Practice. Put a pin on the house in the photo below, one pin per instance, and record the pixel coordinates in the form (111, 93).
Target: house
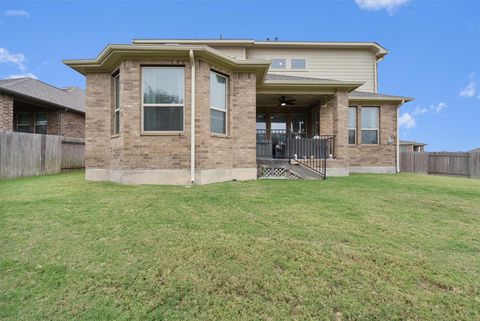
(411, 146)
(32, 106)
(202, 111)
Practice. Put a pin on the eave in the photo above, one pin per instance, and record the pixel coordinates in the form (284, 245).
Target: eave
(112, 55)
(306, 87)
(379, 51)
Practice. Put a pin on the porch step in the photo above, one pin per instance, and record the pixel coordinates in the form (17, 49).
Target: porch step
(303, 171)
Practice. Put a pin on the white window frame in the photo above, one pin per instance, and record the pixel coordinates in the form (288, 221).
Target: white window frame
(356, 125)
(35, 120)
(23, 125)
(276, 68)
(167, 132)
(220, 109)
(116, 104)
(298, 69)
(370, 129)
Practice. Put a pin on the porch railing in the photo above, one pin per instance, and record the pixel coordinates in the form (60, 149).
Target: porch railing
(311, 152)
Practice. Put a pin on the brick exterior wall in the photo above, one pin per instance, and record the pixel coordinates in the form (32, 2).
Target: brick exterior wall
(73, 124)
(381, 154)
(132, 149)
(97, 126)
(340, 128)
(6, 112)
(59, 122)
(333, 121)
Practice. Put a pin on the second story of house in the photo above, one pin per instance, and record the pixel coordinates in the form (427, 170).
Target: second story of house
(344, 61)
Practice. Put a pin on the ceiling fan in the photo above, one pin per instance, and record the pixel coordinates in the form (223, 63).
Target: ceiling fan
(284, 101)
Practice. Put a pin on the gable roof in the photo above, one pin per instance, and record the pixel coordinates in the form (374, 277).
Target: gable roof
(29, 88)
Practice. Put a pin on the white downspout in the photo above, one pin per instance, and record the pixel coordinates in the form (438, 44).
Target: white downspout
(192, 122)
(397, 151)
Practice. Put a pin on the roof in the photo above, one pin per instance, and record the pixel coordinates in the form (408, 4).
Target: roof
(29, 88)
(379, 50)
(287, 84)
(275, 77)
(358, 95)
(410, 142)
(475, 150)
(113, 54)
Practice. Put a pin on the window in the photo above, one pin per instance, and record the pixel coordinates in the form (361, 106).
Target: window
(23, 122)
(370, 125)
(116, 103)
(279, 64)
(298, 64)
(163, 98)
(41, 123)
(218, 103)
(352, 125)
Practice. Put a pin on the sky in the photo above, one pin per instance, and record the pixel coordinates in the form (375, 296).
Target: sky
(434, 45)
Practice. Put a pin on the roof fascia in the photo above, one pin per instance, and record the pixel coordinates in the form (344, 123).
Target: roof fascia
(113, 54)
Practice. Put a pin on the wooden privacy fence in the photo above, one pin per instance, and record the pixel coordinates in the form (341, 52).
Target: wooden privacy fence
(25, 154)
(441, 163)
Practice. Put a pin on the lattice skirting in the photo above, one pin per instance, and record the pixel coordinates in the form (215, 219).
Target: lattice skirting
(276, 172)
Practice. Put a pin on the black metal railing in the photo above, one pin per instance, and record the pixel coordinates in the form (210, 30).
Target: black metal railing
(311, 152)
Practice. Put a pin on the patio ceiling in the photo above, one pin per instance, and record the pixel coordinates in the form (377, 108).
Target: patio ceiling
(302, 100)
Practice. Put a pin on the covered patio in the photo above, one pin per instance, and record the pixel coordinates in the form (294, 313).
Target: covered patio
(295, 120)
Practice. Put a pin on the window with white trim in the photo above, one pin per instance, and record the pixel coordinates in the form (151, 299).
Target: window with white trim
(370, 124)
(279, 64)
(163, 98)
(352, 125)
(23, 122)
(41, 123)
(116, 103)
(218, 103)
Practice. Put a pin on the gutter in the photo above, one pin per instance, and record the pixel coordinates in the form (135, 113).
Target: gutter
(192, 122)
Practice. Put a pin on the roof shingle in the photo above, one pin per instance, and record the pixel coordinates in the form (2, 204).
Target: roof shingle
(71, 97)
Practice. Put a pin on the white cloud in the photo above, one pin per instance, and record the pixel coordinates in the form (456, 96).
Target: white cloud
(29, 74)
(471, 88)
(406, 120)
(374, 5)
(17, 13)
(17, 59)
(438, 107)
(420, 110)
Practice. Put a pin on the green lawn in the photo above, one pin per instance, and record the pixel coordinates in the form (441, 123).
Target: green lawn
(365, 247)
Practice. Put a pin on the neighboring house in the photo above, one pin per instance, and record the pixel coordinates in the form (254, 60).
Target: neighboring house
(411, 146)
(180, 111)
(32, 106)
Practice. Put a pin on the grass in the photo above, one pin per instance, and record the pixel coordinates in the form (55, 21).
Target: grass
(365, 247)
